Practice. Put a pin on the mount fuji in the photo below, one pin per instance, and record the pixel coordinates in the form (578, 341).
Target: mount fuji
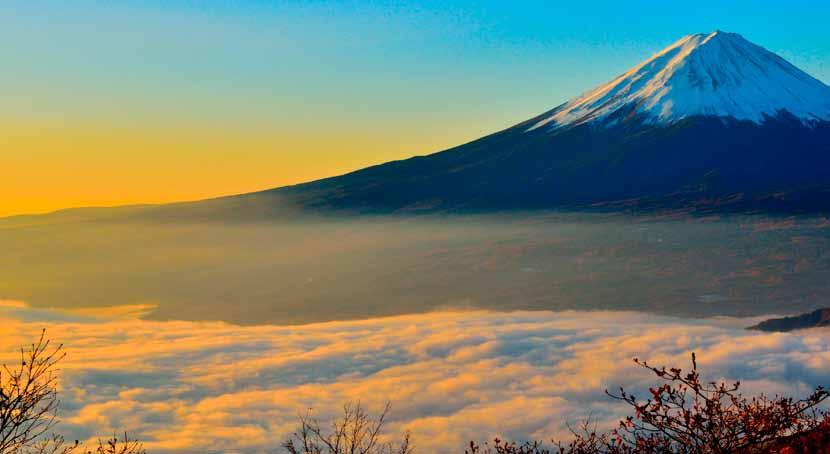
(712, 123)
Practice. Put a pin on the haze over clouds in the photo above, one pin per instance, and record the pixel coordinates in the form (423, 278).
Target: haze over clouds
(313, 271)
(453, 376)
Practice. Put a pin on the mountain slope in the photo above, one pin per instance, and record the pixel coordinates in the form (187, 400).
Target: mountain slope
(697, 163)
(712, 122)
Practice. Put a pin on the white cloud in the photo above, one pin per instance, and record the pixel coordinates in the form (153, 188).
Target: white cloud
(453, 376)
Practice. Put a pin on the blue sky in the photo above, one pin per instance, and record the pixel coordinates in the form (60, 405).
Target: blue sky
(376, 57)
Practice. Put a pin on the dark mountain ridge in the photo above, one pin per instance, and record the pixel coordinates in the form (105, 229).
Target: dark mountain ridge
(698, 164)
(816, 319)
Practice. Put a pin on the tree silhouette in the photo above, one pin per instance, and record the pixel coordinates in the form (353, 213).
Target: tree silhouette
(355, 432)
(684, 414)
(29, 407)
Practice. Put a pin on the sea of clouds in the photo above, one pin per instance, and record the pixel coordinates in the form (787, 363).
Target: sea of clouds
(214, 387)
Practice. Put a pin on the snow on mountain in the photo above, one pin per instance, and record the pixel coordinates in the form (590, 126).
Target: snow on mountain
(719, 74)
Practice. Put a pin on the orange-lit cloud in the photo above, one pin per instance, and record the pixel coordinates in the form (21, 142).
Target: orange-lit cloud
(216, 387)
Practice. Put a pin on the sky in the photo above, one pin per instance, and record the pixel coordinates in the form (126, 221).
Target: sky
(122, 102)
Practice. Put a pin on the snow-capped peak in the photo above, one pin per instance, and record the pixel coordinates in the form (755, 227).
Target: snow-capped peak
(717, 74)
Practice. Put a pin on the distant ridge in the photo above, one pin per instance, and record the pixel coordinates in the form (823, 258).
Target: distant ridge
(816, 319)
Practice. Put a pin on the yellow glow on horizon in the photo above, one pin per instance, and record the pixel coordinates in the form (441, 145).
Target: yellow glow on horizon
(47, 167)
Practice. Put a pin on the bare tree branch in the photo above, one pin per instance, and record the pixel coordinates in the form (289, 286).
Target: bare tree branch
(355, 432)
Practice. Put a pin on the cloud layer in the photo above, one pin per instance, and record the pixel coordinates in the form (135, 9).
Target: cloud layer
(451, 377)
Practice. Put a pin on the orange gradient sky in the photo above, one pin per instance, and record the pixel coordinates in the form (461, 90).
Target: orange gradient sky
(55, 167)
